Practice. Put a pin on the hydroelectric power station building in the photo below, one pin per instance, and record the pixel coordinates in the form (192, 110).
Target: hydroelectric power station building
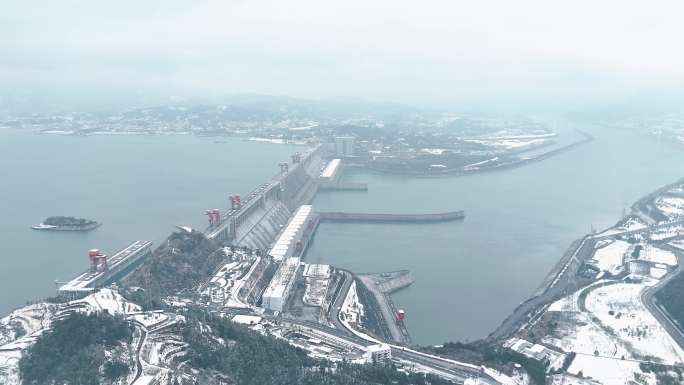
(286, 250)
(278, 290)
(290, 240)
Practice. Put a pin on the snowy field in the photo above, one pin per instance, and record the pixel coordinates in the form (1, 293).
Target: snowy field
(608, 326)
(672, 207)
(608, 371)
(632, 224)
(667, 232)
(109, 301)
(615, 324)
(35, 319)
(507, 143)
(609, 258)
(658, 255)
(619, 310)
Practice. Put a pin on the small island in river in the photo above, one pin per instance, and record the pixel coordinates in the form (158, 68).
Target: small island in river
(60, 223)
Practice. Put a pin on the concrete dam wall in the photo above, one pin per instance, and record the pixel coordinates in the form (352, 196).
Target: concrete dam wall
(258, 223)
(399, 218)
(261, 227)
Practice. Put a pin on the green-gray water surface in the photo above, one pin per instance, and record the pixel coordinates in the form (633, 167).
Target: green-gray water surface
(139, 187)
(470, 275)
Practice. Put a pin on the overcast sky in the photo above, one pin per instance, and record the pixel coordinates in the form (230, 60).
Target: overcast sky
(421, 52)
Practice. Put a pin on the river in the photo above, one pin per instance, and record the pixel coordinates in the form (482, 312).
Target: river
(139, 187)
(470, 275)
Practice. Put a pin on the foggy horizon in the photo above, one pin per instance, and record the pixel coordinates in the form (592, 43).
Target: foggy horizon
(529, 56)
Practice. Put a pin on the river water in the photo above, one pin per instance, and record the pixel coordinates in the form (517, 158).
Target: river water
(469, 274)
(139, 187)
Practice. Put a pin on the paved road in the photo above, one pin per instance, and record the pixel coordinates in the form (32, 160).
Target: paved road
(138, 349)
(385, 308)
(648, 299)
(339, 300)
(455, 370)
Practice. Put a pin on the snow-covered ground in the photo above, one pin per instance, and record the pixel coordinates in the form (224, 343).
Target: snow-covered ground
(678, 243)
(433, 151)
(110, 301)
(658, 255)
(18, 331)
(150, 319)
(507, 143)
(657, 272)
(634, 223)
(567, 379)
(33, 320)
(608, 371)
(672, 207)
(28, 319)
(582, 334)
(9, 367)
(608, 326)
(619, 310)
(609, 258)
(615, 324)
(667, 232)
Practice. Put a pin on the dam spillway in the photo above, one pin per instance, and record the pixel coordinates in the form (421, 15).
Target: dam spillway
(338, 216)
(256, 220)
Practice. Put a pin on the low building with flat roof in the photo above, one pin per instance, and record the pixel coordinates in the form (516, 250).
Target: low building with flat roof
(331, 171)
(286, 243)
(379, 354)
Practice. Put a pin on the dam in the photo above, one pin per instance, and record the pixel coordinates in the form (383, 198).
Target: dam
(259, 218)
(255, 221)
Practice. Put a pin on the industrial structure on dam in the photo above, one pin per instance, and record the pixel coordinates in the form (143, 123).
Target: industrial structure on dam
(104, 270)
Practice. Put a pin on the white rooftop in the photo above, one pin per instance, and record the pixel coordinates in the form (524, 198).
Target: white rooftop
(283, 244)
(330, 169)
(245, 319)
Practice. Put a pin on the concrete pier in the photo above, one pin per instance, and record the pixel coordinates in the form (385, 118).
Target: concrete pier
(345, 186)
(119, 265)
(380, 286)
(401, 218)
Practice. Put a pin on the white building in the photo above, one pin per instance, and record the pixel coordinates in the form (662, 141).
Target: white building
(278, 290)
(379, 354)
(286, 245)
(331, 171)
(344, 146)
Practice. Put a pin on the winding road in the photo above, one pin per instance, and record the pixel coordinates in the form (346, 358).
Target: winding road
(138, 361)
(648, 299)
